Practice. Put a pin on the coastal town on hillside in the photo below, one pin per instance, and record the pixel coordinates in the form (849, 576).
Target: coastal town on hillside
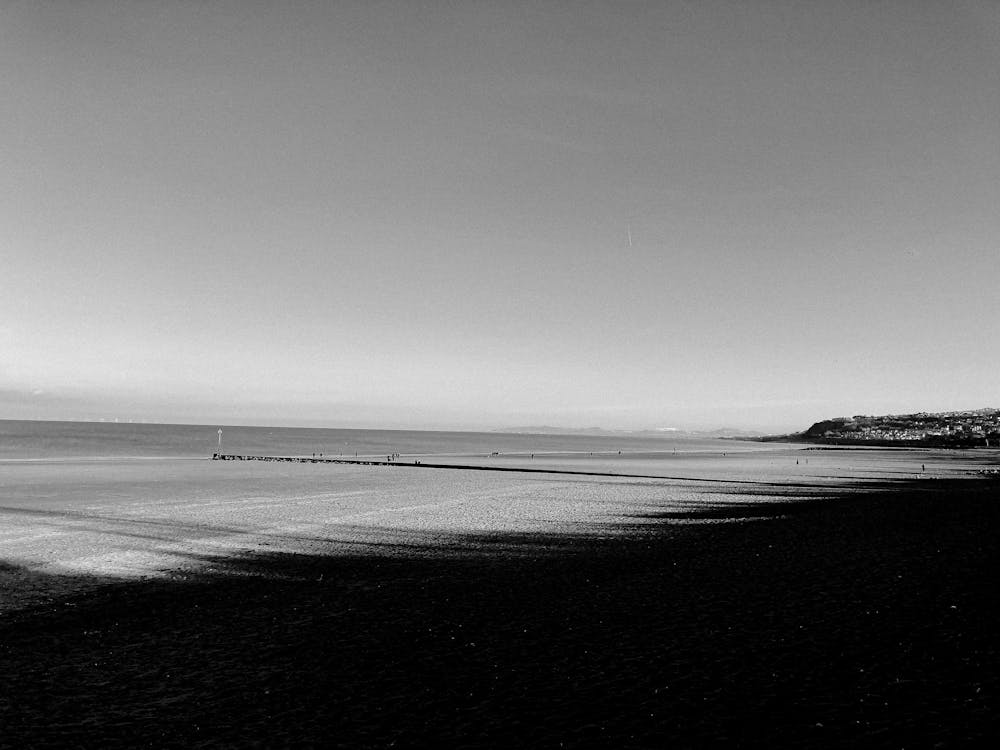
(980, 427)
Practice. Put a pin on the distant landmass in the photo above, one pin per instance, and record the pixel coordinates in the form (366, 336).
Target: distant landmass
(663, 432)
(950, 429)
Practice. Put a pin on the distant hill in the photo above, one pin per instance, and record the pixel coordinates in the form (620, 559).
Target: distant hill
(958, 429)
(666, 433)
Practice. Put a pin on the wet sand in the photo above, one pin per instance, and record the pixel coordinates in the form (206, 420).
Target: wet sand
(842, 619)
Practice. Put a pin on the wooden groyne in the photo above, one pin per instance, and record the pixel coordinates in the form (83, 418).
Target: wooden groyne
(421, 465)
(480, 467)
(308, 460)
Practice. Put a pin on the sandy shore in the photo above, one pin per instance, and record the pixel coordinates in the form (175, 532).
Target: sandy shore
(869, 619)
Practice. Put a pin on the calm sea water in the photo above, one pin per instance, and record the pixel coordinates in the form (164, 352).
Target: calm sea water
(55, 440)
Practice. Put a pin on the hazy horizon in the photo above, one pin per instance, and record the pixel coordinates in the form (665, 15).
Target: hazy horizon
(388, 426)
(435, 215)
(665, 431)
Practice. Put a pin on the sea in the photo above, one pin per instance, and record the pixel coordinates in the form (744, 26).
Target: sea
(47, 440)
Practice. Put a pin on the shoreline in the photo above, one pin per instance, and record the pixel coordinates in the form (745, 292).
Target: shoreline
(846, 443)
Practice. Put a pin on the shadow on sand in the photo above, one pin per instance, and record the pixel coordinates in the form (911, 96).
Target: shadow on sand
(867, 618)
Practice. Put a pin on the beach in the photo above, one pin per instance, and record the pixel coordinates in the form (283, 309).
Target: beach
(499, 374)
(754, 602)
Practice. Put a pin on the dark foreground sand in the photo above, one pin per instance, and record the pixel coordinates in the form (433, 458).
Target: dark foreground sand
(864, 621)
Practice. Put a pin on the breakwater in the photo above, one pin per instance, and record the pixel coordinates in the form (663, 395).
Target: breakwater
(309, 460)
(421, 465)
(481, 467)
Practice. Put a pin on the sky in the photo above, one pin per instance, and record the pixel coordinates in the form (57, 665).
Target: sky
(632, 215)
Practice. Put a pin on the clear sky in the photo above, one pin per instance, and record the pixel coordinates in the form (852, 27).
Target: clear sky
(417, 214)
